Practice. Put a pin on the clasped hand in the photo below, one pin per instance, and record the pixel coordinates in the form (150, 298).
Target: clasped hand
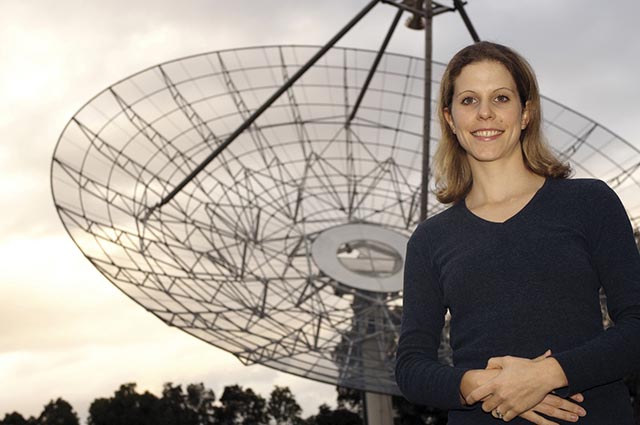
(523, 387)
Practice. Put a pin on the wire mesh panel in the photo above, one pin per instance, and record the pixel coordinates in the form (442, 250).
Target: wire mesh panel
(286, 250)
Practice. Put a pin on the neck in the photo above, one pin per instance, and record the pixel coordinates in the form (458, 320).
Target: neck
(500, 182)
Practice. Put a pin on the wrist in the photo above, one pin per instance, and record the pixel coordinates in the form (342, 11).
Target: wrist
(554, 373)
(473, 379)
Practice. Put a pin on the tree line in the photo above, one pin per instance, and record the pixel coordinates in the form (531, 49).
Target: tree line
(196, 405)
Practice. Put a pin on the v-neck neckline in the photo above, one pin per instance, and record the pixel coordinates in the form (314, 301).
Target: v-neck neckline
(521, 212)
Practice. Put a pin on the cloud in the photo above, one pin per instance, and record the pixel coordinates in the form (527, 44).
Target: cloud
(69, 333)
(66, 330)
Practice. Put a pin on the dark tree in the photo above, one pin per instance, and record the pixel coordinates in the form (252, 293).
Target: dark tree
(240, 407)
(340, 416)
(173, 408)
(283, 408)
(195, 407)
(350, 399)
(58, 412)
(16, 418)
(408, 413)
(126, 407)
(200, 399)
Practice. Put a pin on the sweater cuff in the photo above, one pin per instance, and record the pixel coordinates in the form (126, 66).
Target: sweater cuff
(572, 369)
(459, 373)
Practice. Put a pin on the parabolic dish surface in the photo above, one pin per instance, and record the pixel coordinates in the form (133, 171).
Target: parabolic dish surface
(229, 259)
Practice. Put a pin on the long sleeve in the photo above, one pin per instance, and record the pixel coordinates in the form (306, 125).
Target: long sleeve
(521, 287)
(615, 352)
(421, 378)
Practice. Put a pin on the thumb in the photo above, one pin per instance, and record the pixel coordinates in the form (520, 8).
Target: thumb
(495, 363)
(544, 356)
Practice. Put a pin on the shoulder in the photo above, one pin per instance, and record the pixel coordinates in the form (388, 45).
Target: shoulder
(584, 190)
(581, 184)
(436, 226)
(589, 200)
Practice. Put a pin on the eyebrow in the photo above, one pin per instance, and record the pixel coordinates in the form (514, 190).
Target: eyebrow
(498, 89)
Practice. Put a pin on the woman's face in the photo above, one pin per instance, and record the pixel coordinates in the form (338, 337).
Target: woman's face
(486, 113)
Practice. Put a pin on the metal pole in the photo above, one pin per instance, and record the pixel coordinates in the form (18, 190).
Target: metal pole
(374, 67)
(264, 107)
(426, 127)
(463, 13)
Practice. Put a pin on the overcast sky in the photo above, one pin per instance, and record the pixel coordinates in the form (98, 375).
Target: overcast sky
(65, 331)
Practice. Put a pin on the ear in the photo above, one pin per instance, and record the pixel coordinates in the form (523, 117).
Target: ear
(525, 115)
(449, 119)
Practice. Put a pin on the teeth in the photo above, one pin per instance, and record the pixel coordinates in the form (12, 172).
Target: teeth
(486, 133)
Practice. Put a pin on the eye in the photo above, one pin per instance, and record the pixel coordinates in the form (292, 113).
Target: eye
(502, 98)
(468, 100)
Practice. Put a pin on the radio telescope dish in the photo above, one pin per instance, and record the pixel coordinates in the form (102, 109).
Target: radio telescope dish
(287, 249)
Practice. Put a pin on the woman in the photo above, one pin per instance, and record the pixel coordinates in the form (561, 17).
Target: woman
(518, 259)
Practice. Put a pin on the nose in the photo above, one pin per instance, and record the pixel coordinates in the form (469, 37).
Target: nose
(485, 111)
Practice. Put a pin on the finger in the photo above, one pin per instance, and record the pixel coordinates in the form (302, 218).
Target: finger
(490, 405)
(495, 363)
(508, 415)
(497, 413)
(577, 397)
(556, 413)
(533, 417)
(480, 393)
(562, 404)
(493, 402)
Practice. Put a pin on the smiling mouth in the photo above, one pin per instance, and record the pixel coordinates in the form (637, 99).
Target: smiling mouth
(487, 133)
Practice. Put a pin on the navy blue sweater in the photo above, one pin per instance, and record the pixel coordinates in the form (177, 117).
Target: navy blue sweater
(519, 288)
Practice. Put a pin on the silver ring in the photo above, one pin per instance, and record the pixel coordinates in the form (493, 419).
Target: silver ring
(497, 414)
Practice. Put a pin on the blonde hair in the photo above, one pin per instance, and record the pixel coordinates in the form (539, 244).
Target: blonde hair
(452, 171)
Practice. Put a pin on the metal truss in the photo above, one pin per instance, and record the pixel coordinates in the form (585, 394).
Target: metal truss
(229, 258)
